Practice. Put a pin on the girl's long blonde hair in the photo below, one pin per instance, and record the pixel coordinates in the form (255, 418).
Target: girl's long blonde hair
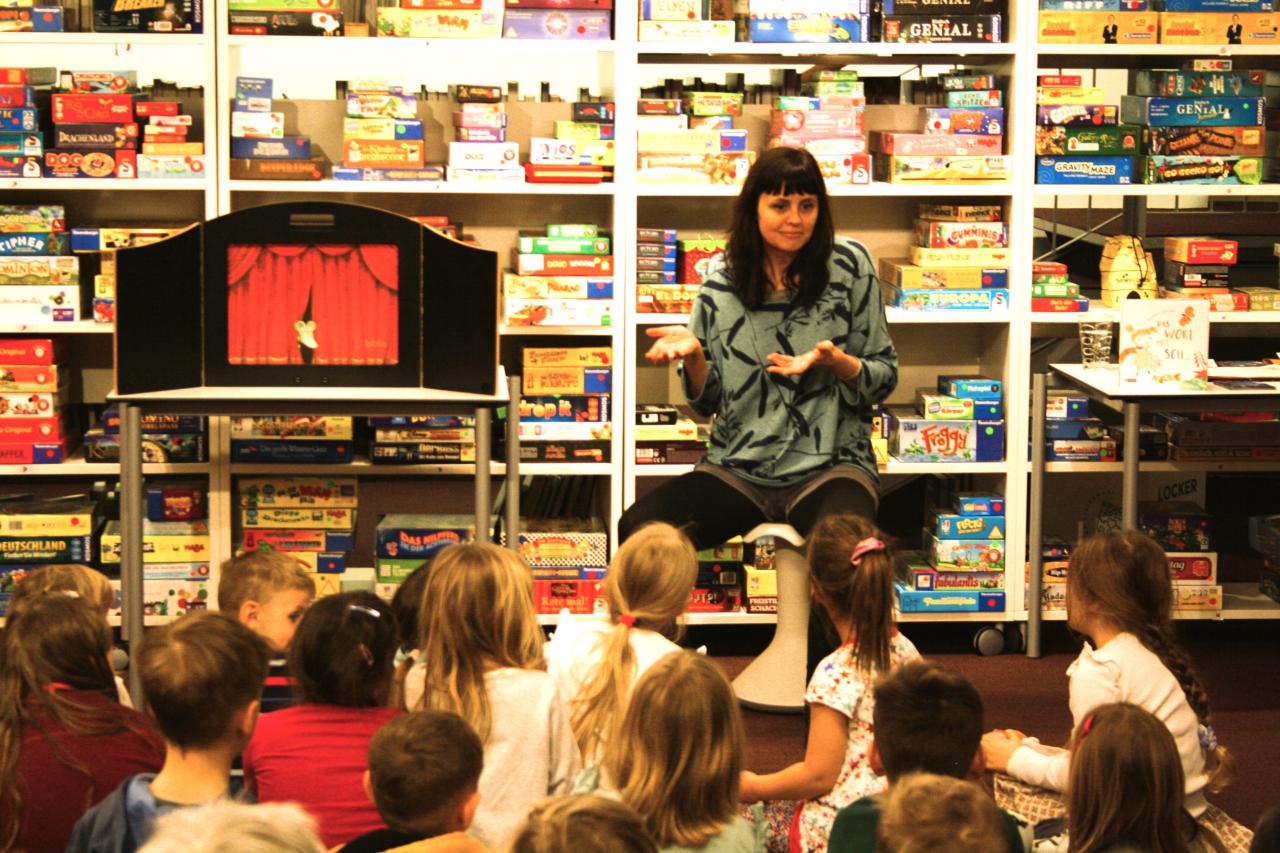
(1124, 578)
(678, 753)
(88, 584)
(477, 615)
(647, 586)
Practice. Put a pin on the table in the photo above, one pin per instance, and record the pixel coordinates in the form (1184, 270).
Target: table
(321, 400)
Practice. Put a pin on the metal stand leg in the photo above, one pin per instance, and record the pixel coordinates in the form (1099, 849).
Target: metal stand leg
(132, 622)
(513, 463)
(1129, 488)
(1035, 534)
(484, 453)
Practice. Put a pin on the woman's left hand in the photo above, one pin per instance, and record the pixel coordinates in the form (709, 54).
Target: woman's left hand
(824, 354)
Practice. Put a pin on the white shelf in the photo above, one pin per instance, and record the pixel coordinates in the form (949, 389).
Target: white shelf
(1157, 190)
(422, 49)
(330, 185)
(79, 327)
(1097, 311)
(113, 184)
(894, 467)
(459, 469)
(726, 50)
(661, 470)
(1121, 51)
(1194, 466)
(1240, 601)
(899, 316)
(577, 331)
(77, 467)
(661, 319)
(85, 39)
(875, 189)
(990, 616)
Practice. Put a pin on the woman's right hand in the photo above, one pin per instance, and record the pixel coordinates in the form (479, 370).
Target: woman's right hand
(672, 342)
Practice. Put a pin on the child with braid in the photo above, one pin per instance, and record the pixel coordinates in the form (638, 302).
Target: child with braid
(1119, 595)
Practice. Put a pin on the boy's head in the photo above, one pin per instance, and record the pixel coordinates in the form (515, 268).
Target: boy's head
(583, 823)
(267, 591)
(927, 813)
(928, 719)
(202, 676)
(424, 769)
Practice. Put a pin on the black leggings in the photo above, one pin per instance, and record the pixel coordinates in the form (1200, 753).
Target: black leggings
(711, 511)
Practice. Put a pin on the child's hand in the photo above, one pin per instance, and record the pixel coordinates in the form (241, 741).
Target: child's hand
(998, 747)
(747, 787)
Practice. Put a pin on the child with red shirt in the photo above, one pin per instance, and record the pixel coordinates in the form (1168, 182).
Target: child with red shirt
(342, 661)
(65, 739)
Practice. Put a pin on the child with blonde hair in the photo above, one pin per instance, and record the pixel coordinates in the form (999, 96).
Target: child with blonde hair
(482, 659)
(596, 663)
(1120, 596)
(852, 572)
(677, 758)
(583, 823)
(930, 814)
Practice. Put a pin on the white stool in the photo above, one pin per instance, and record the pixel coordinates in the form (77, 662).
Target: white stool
(774, 681)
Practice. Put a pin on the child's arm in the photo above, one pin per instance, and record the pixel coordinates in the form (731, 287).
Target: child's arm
(565, 760)
(813, 777)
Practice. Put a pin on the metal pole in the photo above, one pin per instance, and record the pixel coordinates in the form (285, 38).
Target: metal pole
(513, 463)
(484, 454)
(131, 497)
(1035, 535)
(1129, 488)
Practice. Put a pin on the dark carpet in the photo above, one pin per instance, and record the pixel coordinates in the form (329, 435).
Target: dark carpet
(1236, 661)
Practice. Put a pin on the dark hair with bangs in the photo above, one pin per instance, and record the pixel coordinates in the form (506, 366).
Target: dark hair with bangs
(344, 652)
(779, 171)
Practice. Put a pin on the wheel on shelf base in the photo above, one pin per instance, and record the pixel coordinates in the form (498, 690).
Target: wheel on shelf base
(989, 640)
(1015, 637)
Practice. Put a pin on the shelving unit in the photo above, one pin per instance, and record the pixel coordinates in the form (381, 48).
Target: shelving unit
(879, 214)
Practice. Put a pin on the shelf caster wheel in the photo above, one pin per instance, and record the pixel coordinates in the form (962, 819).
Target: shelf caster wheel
(1015, 638)
(989, 640)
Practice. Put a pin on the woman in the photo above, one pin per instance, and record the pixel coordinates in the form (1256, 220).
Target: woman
(787, 346)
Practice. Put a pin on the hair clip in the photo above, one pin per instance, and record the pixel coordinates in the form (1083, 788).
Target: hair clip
(866, 546)
(1208, 737)
(363, 609)
(70, 593)
(628, 619)
(1087, 725)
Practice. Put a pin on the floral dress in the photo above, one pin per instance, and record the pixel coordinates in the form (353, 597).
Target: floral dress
(838, 684)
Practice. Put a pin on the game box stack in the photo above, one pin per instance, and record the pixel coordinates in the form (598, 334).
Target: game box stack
(578, 298)
(382, 136)
(103, 243)
(125, 16)
(829, 121)
(260, 150)
(287, 18)
(580, 152)
(959, 261)
(165, 438)
(405, 541)
(1264, 537)
(422, 439)
(94, 132)
(962, 420)
(175, 550)
(1079, 139)
(36, 532)
(312, 519)
(842, 21)
(24, 93)
(720, 584)
(448, 19)
(666, 435)
(570, 388)
(1218, 22)
(33, 379)
(942, 21)
(168, 147)
(692, 140)
(681, 20)
(24, 16)
(1175, 126)
(39, 278)
(1055, 562)
(659, 287)
(1200, 268)
(292, 439)
(560, 20)
(1053, 291)
(913, 158)
(1070, 434)
(480, 149)
(962, 570)
(948, 141)
(1185, 531)
(1120, 22)
(1225, 436)
(568, 558)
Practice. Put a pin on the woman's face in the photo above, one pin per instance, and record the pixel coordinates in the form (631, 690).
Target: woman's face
(787, 221)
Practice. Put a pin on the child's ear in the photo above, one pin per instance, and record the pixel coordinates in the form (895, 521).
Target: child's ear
(873, 758)
(247, 720)
(247, 615)
(366, 782)
(467, 812)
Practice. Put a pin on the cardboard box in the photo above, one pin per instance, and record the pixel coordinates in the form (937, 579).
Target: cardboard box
(407, 535)
(808, 27)
(942, 28)
(92, 109)
(686, 31)
(179, 166)
(1098, 27)
(1201, 250)
(1243, 28)
(961, 235)
(1088, 140)
(1077, 114)
(439, 23)
(1165, 83)
(273, 450)
(1197, 597)
(936, 143)
(902, 274)
(949, 601)
(567, 357)
(148, 16)
(257, 125)
(286, 23)
(929, 578)
(1202, 170)
(978, 503)
(966, 555)
(482, 155)
(1084, 170)
(384, 154)
(563, 543)
(567, 380)
(1177, 525)
(930, 257)
(558, 312)
(575, 25)
(986, 122)
(933, 299)
(298, 492)
(916, 439)
(29, 303)
(1193, 568)
(566, 594)
(20, 144)
(19, 119)
(56, 270)
(1068, 95)
(279, 170)
(962, 169)
(95, 136)
(1205, 141)
(1193, 112)
(382, 128)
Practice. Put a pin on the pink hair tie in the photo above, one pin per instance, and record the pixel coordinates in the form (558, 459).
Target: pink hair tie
(627, 619)
(866, 546)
